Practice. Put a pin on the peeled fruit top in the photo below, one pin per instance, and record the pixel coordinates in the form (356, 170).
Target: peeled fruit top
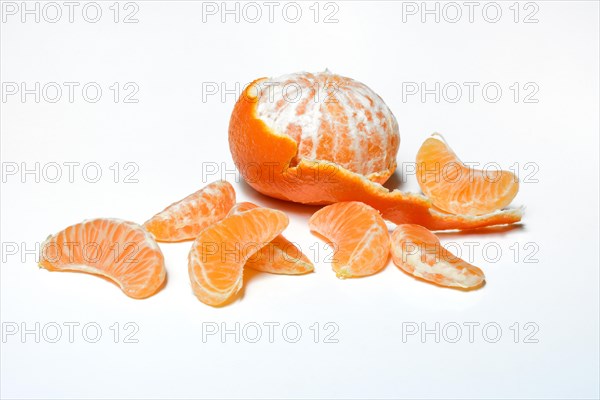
(332, 118)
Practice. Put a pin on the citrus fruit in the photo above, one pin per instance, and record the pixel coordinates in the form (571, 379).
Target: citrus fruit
(217, 258)
(121, 251)
(458, 189)
(183, 220)
(303, 152)
(334, 118)
(359, 235)
(418, 252)
(280, 256)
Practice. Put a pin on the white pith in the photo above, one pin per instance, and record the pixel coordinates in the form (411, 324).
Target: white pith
(275, 90)
(458, 277)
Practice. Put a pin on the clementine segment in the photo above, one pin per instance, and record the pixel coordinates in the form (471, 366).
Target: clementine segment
(218, 255)
(418, 252)
(183, 220)
(270, 159)
(280, 256)
(457, 189)
(121, 251)
(359, 234)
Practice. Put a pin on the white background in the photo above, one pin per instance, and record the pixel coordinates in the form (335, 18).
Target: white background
(172, 133)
